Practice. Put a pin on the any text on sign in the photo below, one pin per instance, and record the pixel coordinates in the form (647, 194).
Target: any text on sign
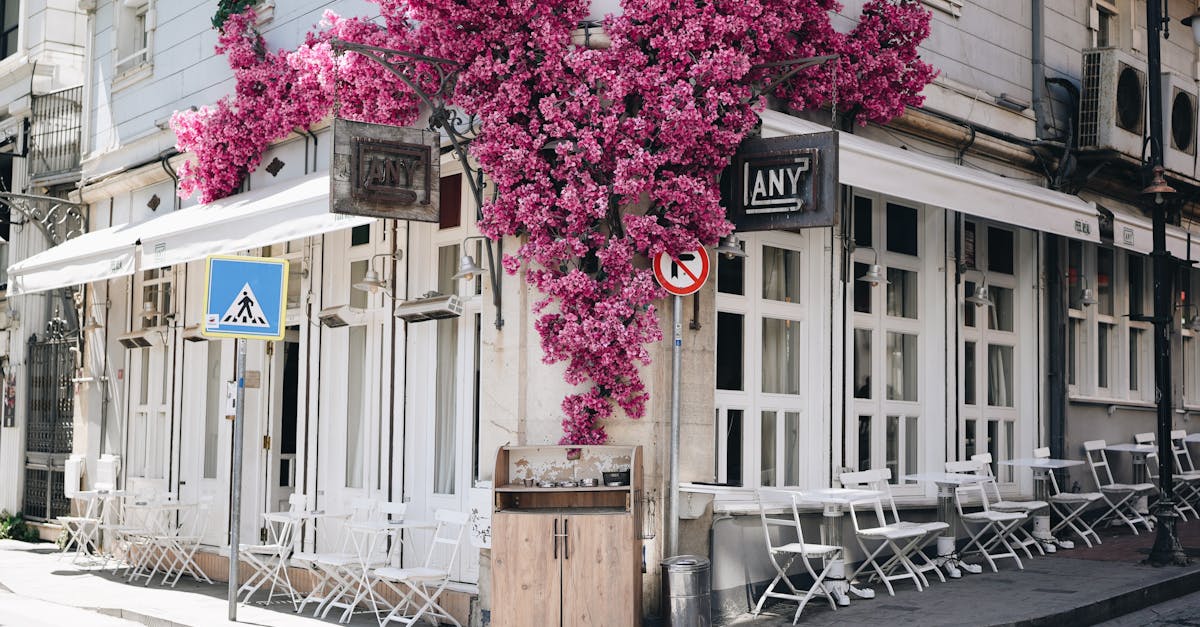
(683, 274)
(245, 297)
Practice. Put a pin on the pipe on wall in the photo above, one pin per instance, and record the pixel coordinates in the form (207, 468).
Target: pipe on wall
(1038, 58)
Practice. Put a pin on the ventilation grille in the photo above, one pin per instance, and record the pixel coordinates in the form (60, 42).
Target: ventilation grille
(1089, 103)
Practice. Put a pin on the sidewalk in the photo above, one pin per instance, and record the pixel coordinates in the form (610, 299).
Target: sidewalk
(1081, 586)
(61, 593)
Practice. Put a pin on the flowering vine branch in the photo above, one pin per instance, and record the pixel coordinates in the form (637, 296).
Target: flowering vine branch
(600, 158)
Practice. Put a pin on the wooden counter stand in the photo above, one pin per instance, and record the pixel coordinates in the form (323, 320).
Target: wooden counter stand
(566, 555)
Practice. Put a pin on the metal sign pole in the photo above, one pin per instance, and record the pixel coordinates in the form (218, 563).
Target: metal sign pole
(673, 511)
(235, 479)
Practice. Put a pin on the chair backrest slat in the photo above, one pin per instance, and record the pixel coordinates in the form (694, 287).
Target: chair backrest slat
(1097, 461)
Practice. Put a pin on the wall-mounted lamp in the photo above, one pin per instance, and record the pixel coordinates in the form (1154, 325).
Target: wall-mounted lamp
(982, 295)
(1087, 297)
(468, 268)
(874, 275)
(372, 281)
(1158, 186)
(1193, 21)
(731, 247)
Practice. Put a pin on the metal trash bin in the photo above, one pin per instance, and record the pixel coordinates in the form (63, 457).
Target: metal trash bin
(687, 591)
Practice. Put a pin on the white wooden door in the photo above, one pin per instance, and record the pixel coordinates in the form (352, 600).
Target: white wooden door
(206, 432)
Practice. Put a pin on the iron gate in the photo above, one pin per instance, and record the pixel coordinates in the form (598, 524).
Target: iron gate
(50, 420)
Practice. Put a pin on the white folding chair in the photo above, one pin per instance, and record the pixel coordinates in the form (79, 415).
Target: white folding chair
(268, 561)
(1118, 496)
(1070, 505)
(336, 568)
(1182, 480)
(81, 530)
(1189, 487)
(183, 546)
(424, 584)
(1022, 537)
(999, 524)
(780, 548)
(925, 532)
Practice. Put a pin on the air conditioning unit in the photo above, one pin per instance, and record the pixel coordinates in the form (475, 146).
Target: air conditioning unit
(432, 306)
(1179, 124)
(1112, 106)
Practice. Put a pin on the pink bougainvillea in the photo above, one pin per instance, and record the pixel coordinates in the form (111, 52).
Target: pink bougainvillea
(600, 158)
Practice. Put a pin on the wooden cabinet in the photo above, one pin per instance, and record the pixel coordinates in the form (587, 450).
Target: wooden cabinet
(566, 555)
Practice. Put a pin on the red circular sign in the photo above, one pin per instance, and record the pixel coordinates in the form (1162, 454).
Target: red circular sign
(682, 274)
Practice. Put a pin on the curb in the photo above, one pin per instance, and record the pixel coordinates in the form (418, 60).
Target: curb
(1116, 606)
(137, 617)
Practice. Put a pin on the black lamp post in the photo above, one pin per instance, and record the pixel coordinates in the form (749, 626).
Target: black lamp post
(1166, 550)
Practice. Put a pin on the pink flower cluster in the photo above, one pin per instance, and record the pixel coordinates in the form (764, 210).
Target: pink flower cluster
(600, 158)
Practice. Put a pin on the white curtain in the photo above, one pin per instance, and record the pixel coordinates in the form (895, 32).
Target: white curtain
(446, 411)
(355, 386)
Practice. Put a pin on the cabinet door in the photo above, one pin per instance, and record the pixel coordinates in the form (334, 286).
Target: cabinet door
(526, 558)
(600, 580)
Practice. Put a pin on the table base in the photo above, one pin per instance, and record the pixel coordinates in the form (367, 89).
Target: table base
(840, 588)
(949, 561)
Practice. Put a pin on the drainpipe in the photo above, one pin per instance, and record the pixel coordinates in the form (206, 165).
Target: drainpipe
(1038, 57)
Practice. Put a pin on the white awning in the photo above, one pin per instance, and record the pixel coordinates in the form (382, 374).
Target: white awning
(871, 165)
(1135, 232)
(279, 213)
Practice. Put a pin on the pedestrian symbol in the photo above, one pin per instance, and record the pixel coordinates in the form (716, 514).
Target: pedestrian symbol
(246, 297)
(244, 310)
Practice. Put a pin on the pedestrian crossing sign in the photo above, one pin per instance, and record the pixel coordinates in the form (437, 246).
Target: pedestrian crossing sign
(245, 297)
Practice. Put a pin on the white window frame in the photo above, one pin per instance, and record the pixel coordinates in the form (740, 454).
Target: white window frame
(751, 400)
(878, 406)
(983, 336)
(133, 41)
(1088, 319)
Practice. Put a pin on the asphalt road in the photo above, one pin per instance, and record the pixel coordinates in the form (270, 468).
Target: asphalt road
(1181, 612)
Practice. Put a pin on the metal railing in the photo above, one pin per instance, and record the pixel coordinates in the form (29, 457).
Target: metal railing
(54, 136)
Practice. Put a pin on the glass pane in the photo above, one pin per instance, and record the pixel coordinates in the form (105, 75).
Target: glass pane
(729, 351)
(356, 353)
(1072, 348)
(892, 445)
(902, 366)
(862, 289)
(864, 443)
(969, 444)
(902, 293)
(213, 408)
(1189, 369)
(863, 222)
(993, 443)
(144, 376)
(1137, 284)
(969, 373)
(1000, 315)
(1000, 375)
(969, 245)
(358, 271)
(360, 235)
(969, 307)
(1074, 274)
(1135, 351)
(733, 447)
(1105, 277)
(448, 259)
(1009, 446)
(862, 363)
(910, 446)
(781, 274)
(1000, 250)
(445, 423)
(11, 12)
(1103, 344)
(767, 448)
(780, 356)
(731, 274)
(901, 229)
(295, 281)
(791, 448)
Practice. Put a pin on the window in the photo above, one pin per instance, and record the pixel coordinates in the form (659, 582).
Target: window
(886, 360)
(293, 251)
(762, 365)
(1105, 18)
(989, 344)
(135, 28)
(155, 298)
(10, 10)
(1108, 341)
(356, 420)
